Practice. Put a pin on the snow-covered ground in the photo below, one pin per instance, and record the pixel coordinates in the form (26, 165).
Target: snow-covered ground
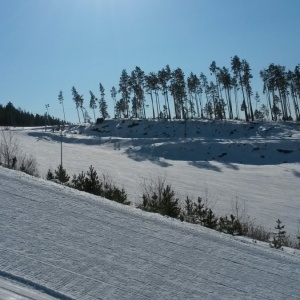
(79, 246)
(12, 290)
(256, 164)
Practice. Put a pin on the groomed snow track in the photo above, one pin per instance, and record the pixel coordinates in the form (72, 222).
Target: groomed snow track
(84, 247)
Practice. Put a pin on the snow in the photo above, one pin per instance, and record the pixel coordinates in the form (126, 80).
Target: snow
(73, 245)
(10, 290)
(225, 161)
(86, 247)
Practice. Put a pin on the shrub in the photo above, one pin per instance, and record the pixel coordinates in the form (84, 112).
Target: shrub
(78, 181)
(230, 225)
(211, 220)
(91, 183)
(49, 175)
(255, 231)
(168, 203)
(61, 174)
(279, 236)
(9, 149)
(28, 165)
(199, 213)
(159, 197)
(111, 192)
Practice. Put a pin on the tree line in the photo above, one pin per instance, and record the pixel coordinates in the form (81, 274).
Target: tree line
(11, 116)
(228, 95)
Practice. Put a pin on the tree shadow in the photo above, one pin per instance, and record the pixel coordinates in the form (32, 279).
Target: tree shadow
(231, 166)
(204, 165)
(140, 156)
(296, 173)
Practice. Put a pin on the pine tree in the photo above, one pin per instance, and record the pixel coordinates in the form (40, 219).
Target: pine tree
(77, 100)
(93, 104)
(279, 236)
(113, 93)
(102, 103)
(124, 89)
(61, 101)
(211, 221)
(61, 174)
(92, 183)
(169, 204)
(200, 211)
(49, 175)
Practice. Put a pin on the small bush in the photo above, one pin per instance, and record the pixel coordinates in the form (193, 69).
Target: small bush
(89, 182)
(230, 225)
(111, 192)
(9, 149)
(28, 165)
(49, 175)
(199, 213)
(159, 197)
(279, 236)
(254, 231)
(61, 174)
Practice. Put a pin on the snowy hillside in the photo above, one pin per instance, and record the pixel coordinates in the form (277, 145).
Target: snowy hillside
(84, 247)
(256, 164)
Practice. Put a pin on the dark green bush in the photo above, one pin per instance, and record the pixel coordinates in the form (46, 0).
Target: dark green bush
(89, 182)
(279, 236)
(162, 200)
(230, 225)
(61, 174)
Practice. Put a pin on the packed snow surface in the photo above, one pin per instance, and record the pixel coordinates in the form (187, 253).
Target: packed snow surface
(10, 290)
(86, 247)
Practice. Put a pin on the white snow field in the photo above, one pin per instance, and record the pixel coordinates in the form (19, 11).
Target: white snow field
(74, 245)
(257, 164)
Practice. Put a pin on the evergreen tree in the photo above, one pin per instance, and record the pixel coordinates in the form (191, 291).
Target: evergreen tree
(178, 91)
(113, 93)
(61, 174)
(163, 78)
(150, 85)
(124, 89)
(61, 101)
(93, 103)
(92, 183)
(78, 100)
(169, 205)
(102, 103)
(237, 68)
(279, 236)
(137, 80)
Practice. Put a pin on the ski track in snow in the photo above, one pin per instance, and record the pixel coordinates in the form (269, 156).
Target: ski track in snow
(88, 248)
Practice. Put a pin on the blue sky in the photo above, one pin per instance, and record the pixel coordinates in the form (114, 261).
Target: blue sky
(52, 45)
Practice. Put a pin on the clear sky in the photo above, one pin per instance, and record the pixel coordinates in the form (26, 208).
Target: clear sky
(52, 45)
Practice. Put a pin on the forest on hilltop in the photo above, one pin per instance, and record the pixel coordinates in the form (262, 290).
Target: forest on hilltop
(11, 116)
(229, 95)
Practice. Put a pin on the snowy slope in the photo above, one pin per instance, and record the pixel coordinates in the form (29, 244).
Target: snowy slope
(12, 290)
(85, 247)
(258, 164)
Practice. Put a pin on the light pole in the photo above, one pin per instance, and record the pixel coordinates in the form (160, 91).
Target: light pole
(61, 149)
(47, 114)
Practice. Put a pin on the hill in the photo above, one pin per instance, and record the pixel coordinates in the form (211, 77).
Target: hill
(255, 164)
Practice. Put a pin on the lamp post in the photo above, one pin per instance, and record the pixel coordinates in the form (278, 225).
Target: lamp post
(47, 114)
(61, 149)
